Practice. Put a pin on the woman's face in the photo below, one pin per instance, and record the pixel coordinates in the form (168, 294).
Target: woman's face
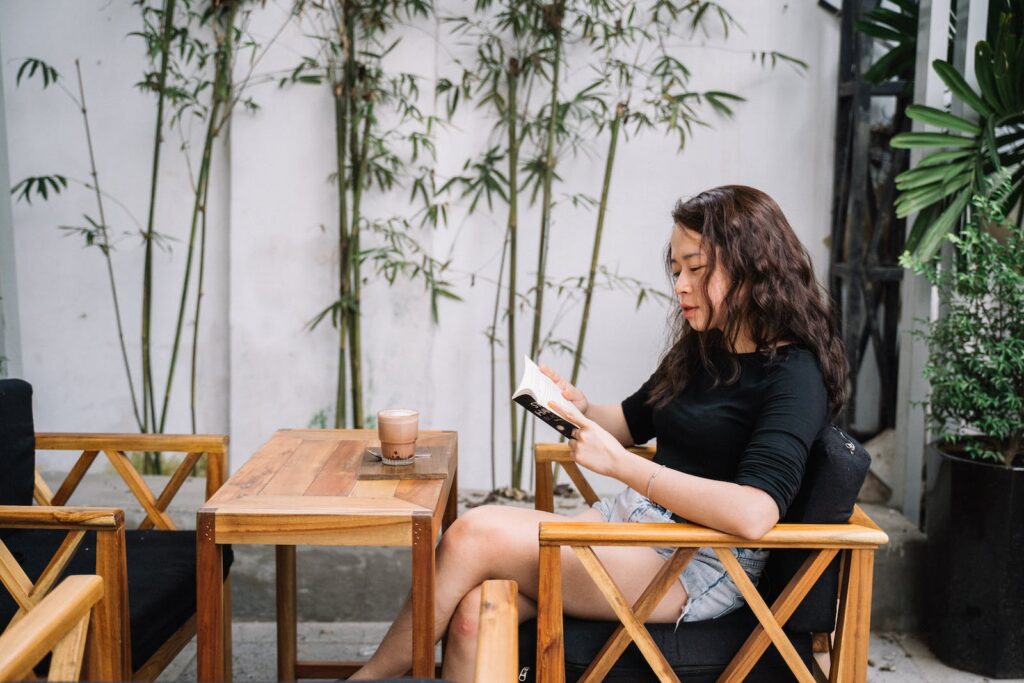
(690, 270)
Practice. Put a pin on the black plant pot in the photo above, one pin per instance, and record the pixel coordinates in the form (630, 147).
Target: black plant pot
(975, 576)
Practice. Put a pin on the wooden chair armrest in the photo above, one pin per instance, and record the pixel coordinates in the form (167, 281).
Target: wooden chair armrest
(58, 624)
(849, 535)
(175, 443)
(109, 652)
(67, 518)
(546, 454)
(497, 650)
(559, 452)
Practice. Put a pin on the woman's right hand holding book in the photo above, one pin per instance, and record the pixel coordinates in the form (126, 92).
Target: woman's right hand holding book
(569, 392)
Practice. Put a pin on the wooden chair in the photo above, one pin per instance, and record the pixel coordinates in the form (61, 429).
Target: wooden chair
(57, 624)
(497, 650)
(813, 568)
(147, 612)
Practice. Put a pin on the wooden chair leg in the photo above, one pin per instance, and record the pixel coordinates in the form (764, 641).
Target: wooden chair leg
(544, 492)
(850, 659)
(109, 627)
(550, 639)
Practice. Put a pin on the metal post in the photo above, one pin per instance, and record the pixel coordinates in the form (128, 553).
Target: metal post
(10, 332)
(932, 43)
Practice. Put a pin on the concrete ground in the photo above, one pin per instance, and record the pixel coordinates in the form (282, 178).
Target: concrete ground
(895, 657)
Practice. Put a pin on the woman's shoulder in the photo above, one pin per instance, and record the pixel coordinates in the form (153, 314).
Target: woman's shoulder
(793, 361)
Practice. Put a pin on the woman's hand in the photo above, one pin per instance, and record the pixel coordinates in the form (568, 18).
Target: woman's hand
(569, 392)
(590, 445)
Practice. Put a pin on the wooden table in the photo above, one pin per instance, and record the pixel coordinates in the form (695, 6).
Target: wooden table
(318, 487)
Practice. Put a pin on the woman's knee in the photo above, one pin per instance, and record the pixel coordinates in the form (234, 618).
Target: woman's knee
(465, 622)
(475, 531)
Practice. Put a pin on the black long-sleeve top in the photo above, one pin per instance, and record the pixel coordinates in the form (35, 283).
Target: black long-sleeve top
(756, 431)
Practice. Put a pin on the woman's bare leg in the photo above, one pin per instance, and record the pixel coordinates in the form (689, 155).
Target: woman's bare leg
(498, 542)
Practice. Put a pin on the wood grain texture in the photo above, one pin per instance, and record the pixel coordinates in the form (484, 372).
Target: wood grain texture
(543, 486)
(497, 649)
(41, 492)
(423, 596)
(61, 616)
(109, 646)
(54, 568)
(550, 637)
(637, 631)
(782, 609)
(642, 608)
(764, 615)
(69, 652)
(174, 443)
(68, 518)
(316, 487)
(339, 474)
(123, 465)
(690, 535)
(287, 612)
(210, 664)
(74, 477)
(559, 452)
(301, 469)
(173, 485)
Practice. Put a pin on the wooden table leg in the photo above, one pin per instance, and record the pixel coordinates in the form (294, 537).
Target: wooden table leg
(210, 600)
(451, 509)
(287, 618)
(422, 597)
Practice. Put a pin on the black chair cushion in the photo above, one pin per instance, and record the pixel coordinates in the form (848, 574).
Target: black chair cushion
(161, 585)
(17, 444)
(836, 467)
(697, 651)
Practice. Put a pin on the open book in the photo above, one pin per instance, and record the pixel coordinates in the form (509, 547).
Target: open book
(534, 393)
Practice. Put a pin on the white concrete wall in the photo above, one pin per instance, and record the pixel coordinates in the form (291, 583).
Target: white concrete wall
(271, 266)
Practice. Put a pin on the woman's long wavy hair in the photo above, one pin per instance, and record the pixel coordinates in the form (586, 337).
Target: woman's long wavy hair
(772, 294)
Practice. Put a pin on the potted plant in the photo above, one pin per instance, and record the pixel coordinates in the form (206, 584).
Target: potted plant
(975, 468)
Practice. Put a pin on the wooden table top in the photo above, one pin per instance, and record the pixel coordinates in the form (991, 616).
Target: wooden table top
(320, 487)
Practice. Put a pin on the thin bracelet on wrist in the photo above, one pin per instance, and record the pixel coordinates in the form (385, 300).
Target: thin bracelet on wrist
(651, 480)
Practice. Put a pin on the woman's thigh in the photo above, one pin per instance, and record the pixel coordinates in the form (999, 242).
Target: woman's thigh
(512, 535)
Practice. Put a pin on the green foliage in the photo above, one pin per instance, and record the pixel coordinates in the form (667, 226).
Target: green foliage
(41, 185)
(976, 349)
(30, 66)
(897, 28)
(965, 159)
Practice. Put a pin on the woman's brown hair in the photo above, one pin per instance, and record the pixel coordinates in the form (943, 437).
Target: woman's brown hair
(772, 292)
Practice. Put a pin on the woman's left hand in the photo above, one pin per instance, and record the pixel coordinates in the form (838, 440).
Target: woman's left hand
(590, 444)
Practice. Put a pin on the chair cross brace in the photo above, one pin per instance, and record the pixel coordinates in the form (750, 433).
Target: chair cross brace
(21, 588)
(155, 507)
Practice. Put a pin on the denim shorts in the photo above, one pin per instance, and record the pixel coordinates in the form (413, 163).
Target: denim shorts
(712, 592)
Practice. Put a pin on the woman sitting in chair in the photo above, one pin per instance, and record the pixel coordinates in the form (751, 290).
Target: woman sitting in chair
(752, 373)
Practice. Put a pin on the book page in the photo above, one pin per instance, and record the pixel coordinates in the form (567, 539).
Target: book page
(540, 385)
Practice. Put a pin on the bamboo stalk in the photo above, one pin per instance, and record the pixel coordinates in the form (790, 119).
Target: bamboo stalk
(492, 338)
(513, 231)
(554, 21)
(218, 99)
(360, 155)
(148, 402)
(222, 94)
(340, 129)
(620, 112)
(105, 247)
